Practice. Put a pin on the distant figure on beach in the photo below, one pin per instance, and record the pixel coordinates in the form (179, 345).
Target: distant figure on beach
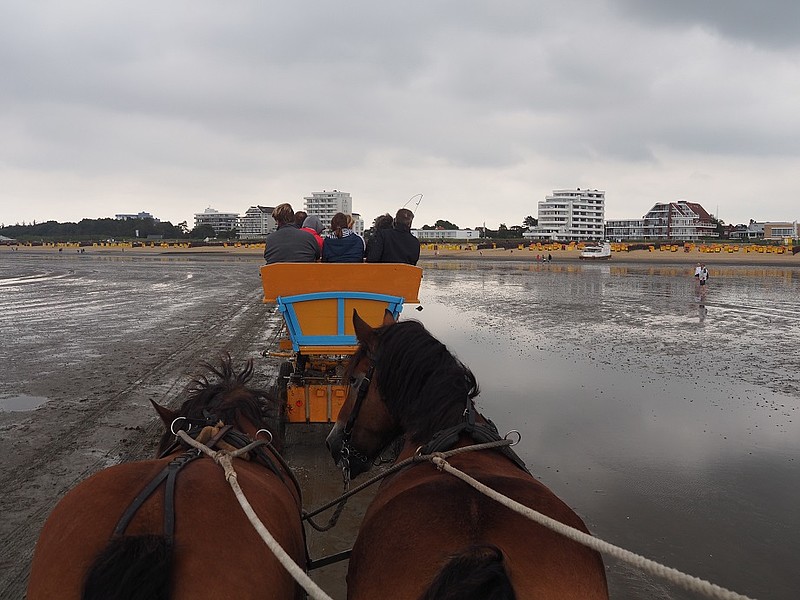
(288, 243)
(395, 245)
(703, 279)
(697, 270)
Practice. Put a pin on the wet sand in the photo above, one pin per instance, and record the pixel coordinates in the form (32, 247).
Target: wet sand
(672, 431)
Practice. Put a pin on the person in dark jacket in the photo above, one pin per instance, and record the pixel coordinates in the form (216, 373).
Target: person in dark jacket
(342, 244)
(395, 245)
(384, 221)
(288, 243)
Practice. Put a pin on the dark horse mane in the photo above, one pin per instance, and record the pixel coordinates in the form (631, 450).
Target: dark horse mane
(423, 384)
(224, 393)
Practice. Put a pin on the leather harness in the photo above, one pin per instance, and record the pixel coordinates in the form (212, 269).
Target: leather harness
(169, 474)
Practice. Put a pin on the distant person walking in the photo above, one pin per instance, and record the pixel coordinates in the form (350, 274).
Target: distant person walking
(395, 245)
(703, 279)
(288, 243)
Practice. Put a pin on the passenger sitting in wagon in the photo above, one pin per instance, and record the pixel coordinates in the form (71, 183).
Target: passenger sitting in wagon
(395, 245)
(288, 243)
(313, 225)
(342, 245)
(384, 221)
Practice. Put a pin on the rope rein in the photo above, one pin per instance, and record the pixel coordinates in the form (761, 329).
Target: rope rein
(688, 582)
(225, 460)
(439, 459)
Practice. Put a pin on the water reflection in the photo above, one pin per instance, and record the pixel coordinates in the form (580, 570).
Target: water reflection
(21, 403)
(673, 431)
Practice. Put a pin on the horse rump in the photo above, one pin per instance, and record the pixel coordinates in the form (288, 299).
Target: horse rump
(133, 567)
(478, 573)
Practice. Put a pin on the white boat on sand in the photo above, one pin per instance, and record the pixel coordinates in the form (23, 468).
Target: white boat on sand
(599, 252)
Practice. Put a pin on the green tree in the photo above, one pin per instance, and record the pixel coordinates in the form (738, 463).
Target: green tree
(446, 224)
(202, 232)
(529, 221)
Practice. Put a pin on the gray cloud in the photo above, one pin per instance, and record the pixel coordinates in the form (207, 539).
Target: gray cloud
(284, 98)
(769, 23)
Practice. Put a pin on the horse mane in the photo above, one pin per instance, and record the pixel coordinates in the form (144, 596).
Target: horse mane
(223, 392)
(425, 387)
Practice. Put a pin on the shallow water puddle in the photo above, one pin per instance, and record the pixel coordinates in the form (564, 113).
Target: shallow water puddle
(21, 403)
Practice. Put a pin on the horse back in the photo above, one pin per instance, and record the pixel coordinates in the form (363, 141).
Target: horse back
(423, 521)
(216, 550)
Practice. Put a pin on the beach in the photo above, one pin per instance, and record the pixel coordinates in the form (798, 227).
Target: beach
(741, 257)
(670, 425)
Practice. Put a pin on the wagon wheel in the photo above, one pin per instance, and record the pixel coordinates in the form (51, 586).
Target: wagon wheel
(279, 391)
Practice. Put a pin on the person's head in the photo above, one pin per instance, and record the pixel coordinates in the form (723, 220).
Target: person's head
(283, 214)
(299, 217)
(383, 222)
(338, 222)
(313, 222)
(350, 221)
(403, 218)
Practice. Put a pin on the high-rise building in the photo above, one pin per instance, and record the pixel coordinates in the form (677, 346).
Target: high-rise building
(571, 216)
(220, 221)
(326, 204)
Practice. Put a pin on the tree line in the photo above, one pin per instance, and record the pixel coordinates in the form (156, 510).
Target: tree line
(502, 232)
(97, 229)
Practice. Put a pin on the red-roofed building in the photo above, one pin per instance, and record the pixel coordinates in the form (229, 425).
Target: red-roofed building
(679, 220)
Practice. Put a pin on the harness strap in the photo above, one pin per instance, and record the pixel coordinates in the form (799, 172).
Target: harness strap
(170, 473)
(446, 439)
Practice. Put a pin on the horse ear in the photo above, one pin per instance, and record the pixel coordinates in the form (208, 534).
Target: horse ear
(167, 416)
(364, 333)
(388, 318)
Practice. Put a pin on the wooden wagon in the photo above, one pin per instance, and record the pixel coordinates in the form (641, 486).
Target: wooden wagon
(317, 301)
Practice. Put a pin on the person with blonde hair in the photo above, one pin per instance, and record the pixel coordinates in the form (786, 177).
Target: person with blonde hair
(342, 244)
(288, 243)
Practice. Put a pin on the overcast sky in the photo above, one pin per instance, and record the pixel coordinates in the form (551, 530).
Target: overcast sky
(482, 107)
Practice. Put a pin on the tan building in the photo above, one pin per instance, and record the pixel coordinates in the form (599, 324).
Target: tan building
(781, 231)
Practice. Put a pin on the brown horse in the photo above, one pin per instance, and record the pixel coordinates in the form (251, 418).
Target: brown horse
(427, 534)
(185, 536)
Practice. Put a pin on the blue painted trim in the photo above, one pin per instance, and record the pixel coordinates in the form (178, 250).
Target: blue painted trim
(286, 305)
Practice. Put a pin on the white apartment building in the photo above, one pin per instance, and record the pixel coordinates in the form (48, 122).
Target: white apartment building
(141, 215)
(256, 223)
(326, 204)
(571, 215)
(220, 221)
(446, 235)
